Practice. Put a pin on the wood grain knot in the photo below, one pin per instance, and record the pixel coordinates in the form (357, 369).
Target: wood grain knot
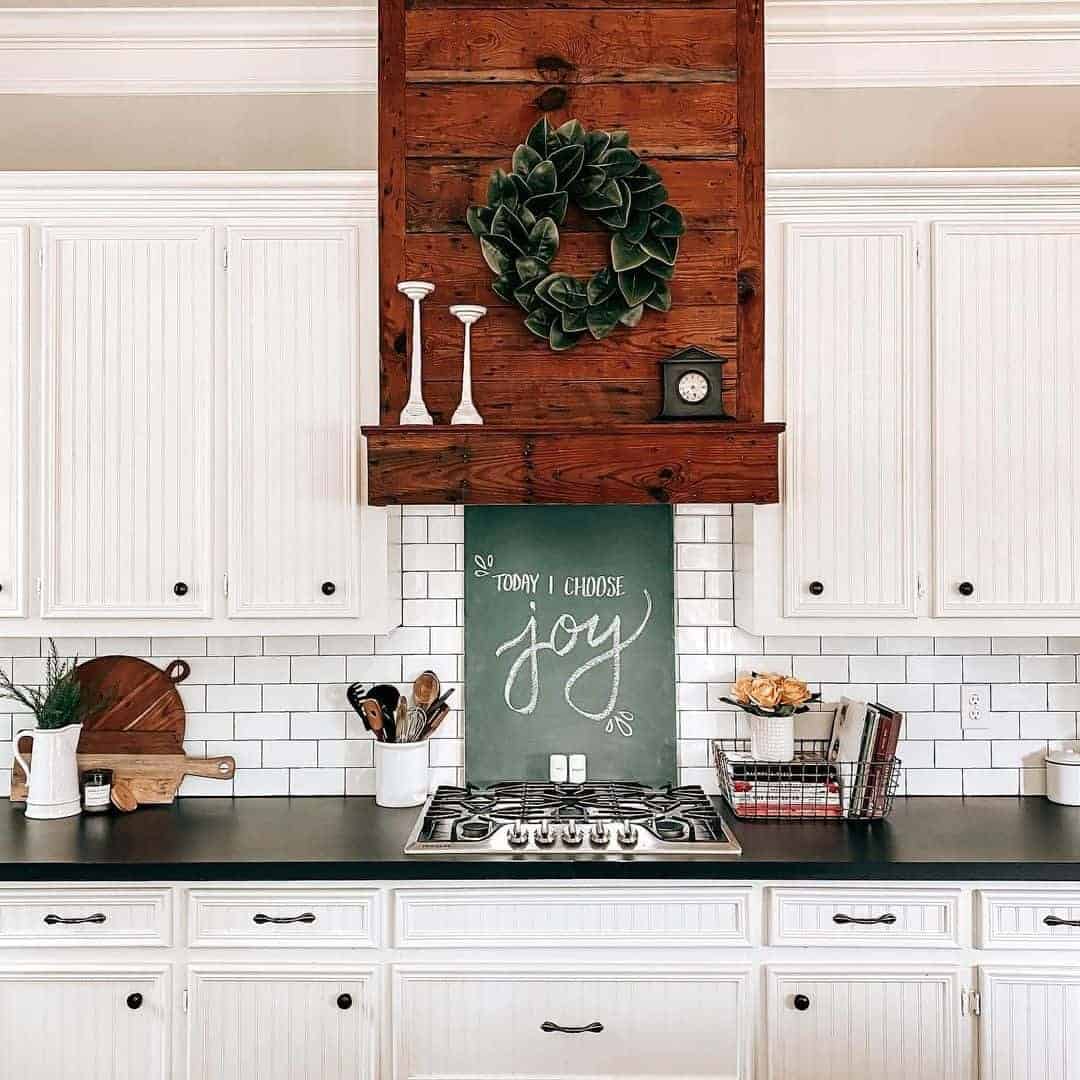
(554, 97)
(399, 343)
(554, 68)
(746, 285)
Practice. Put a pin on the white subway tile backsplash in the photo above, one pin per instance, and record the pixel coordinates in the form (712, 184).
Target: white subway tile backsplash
(278, 703)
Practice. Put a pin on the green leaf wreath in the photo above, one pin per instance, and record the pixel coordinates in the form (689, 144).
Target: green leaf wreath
(518, 231)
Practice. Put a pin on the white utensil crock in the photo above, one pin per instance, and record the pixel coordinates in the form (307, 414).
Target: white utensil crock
(52, 776)
(1063, 777)
(401, 773)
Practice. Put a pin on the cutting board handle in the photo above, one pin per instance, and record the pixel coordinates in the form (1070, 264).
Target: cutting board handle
(217, 768)
(178, 670)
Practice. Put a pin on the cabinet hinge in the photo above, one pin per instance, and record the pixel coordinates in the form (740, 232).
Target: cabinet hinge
(39, 586)
(184, 1000)
(970, 1003)
(41, 256)
(225, 258)
(920, 586)
(918, 254)
(225, 584)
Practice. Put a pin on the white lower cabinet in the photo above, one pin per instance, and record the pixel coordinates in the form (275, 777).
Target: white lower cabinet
(316, 1022)
(875, 1022)
(85, 1023)
(1028, 1023)
(579, 1020)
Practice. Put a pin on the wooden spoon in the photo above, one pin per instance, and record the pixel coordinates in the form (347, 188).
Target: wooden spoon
(425, 689)
(372, 714)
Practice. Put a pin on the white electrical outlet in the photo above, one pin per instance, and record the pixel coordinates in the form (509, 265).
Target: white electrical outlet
(973, 700)
(577, 768)
(558, 769)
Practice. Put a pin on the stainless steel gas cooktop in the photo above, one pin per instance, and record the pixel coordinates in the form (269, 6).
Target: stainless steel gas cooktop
(601, 818)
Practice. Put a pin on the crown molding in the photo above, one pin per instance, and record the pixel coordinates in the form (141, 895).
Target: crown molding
(29, 196)
(961, 192)
(159, 50)
(835, 43)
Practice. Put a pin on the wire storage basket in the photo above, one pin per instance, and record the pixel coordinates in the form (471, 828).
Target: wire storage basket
(810, 787)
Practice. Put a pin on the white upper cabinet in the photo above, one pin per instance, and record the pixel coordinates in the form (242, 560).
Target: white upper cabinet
(847, 354)
(13, 401)
(127, 384)
(294, 421)
(922, 336)
(1007, 440)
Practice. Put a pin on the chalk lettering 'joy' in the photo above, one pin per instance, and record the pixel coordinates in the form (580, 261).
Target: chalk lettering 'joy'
(570, 630)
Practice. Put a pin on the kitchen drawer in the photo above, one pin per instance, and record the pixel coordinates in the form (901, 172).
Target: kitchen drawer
(76, 916)
(864, 917)
(537, 917)
(283, 918)
(1028, 919)
(659, 1021)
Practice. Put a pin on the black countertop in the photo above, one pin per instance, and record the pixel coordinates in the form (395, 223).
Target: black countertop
(351, 839)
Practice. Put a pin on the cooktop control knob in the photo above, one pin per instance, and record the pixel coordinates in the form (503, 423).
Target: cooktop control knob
(599, 835)
(518, 835)
(627, 835)
(544, 835)
(572, 835)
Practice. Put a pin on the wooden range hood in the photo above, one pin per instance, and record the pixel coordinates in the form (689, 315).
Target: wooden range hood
(461, 82)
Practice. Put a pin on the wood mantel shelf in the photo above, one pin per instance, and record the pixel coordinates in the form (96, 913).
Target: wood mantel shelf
(657, 462)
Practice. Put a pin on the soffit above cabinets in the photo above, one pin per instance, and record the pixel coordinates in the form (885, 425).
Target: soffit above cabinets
(461, 85)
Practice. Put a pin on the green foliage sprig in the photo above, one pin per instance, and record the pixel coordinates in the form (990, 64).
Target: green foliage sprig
(58, 702)
(518, 231)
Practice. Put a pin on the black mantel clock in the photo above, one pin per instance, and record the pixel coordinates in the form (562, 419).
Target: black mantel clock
(693, 386)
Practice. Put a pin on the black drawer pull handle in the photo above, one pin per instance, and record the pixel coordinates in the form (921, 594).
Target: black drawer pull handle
(59, 920)
(344, 1001)
(134, 1001)
(594, 1028)
(801, 1002)
(877, 920)
(1053, 920)
(281, 920)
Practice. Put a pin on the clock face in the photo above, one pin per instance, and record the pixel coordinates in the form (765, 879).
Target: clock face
(693, 387)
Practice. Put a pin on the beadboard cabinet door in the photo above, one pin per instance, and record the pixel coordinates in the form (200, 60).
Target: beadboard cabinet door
(856, 1023)
(849, 358)
(1027, 1030)
(13, 411)
(1007, 441)
(294, 420)
(128, 434)
(85, 1024)
(312, 1023)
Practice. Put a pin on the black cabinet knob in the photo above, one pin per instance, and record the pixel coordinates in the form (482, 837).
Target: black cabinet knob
(815, 588)
(801, 1002)
(965, 588)
(180, 588)
(328, 588)
(134, 1001)
(344, 1001)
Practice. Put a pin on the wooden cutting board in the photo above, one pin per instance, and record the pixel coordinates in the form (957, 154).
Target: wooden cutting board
(139, 733)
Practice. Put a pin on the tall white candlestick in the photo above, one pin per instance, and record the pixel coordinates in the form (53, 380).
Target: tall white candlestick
(466, 412)
(415, 411)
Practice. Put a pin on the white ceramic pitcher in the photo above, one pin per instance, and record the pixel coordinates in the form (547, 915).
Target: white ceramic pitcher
(52, 775)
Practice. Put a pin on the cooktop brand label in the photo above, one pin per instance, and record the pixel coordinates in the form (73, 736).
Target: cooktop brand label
(569, 641)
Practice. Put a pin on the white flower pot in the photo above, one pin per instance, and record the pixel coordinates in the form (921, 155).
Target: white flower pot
(772, 738)
(52, 775)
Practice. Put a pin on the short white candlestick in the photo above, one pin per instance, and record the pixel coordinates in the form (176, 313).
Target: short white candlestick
(415, 411)
(466, 412)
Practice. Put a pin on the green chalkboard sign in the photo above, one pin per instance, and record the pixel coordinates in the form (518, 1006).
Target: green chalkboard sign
(569, 641)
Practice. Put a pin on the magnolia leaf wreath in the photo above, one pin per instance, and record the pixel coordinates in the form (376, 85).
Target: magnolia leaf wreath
(518, 231)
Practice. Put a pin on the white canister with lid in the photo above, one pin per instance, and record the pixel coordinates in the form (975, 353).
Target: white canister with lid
(1063, 777)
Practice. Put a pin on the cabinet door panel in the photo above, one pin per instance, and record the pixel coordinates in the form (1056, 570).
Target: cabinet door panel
(1007, 391)
(849, 356)
(128, 398)
(79, 1026)
(486, 1022)
(273, 1024)
(294, 421)
(898, 1024)
(13, 408)
(1028, 1025)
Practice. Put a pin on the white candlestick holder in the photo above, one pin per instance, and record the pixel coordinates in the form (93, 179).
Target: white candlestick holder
(466, 412)
(415, 411)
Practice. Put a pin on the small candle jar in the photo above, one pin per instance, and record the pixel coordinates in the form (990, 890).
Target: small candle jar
(97, 790)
